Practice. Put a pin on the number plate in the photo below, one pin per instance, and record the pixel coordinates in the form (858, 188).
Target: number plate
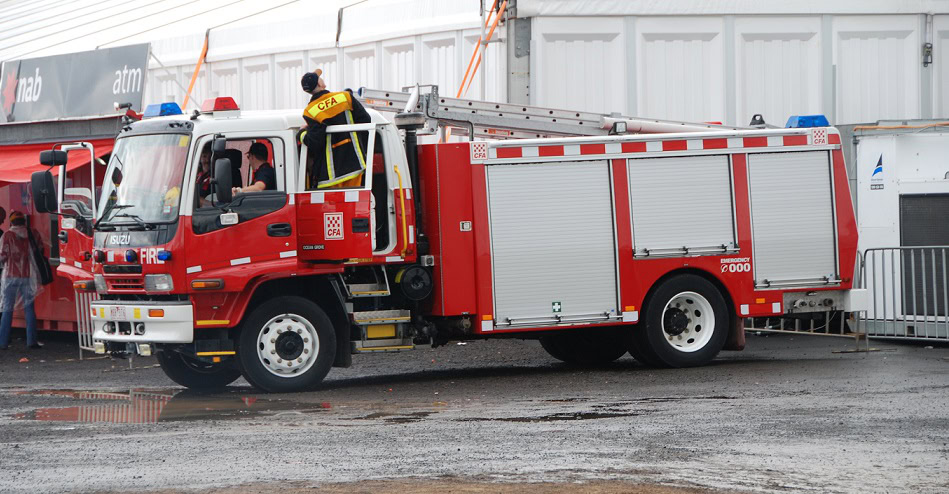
(118, 314)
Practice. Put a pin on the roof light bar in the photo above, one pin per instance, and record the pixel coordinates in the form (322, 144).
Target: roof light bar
(162, 109)
(223, 103)
(802, 121)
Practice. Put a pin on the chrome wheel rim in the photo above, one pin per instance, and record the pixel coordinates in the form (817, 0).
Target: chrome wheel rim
(287, 345)
(688, 322)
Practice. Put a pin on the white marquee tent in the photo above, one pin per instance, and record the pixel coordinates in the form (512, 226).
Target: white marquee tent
(702, 60)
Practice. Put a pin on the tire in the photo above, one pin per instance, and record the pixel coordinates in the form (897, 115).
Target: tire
(585, 347)
(642, 353)
(686, 323)
(194, 374)
(286, 344)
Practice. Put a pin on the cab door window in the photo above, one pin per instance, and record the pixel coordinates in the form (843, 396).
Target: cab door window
(257, 169)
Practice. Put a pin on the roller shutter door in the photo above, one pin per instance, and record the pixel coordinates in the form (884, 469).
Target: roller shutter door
(552, 243)
(681, 205)
(792, 215)
(924, 220)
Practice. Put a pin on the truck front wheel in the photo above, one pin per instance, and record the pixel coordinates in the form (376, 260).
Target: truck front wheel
(686, 323)
(195, 374)
(286, 344)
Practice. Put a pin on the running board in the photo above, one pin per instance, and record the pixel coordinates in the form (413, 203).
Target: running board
(384, 345)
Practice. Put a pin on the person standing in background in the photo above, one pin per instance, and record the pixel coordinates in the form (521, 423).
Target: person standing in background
(20, 280)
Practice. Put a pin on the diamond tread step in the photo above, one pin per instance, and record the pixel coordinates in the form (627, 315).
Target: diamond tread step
(382, 316)
(387, 345)
(368, 290)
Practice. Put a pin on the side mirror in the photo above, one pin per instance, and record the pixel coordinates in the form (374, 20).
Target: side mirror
(53, 158)
(44, 191)
(218, 145)
(116, 176)
(222, 181)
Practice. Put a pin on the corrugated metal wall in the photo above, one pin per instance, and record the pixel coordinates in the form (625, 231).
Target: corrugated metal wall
(854, 68)
(273, 81)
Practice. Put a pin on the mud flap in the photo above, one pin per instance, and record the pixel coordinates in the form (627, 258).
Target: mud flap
(736, 335)
(344, 352)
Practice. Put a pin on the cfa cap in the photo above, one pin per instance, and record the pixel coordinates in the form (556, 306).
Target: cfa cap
(311, 80)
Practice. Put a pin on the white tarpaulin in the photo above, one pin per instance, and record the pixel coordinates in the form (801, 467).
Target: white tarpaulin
(543, 8)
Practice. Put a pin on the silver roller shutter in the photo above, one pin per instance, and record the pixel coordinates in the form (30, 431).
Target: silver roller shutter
(552, 243)
(681, 205)
(792, 216)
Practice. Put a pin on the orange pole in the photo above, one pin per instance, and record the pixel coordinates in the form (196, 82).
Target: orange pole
(474, 52)
(197, 68)
(488, 38)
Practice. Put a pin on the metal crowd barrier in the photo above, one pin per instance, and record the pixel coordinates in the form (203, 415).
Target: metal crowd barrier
(84, 320)
(907, 293)
(833, 323)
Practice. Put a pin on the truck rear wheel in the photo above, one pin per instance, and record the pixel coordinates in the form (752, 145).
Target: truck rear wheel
(195, 374)
(686, 323)
(585, 346)
(286, 344)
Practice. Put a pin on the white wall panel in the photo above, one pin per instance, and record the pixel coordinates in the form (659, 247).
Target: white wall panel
(161, 86)
(877, 59)
(578, 64)
(493, 64)
(288, 69)
(226, 80)
(441, 62)
(778, 65)
(398, 64)
(360, 63)
(941, 66)
(680, 65)
(326, 60)
(200, 91)
(257, 83)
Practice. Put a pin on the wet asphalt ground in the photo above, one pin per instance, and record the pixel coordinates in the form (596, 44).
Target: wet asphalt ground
(788, 414)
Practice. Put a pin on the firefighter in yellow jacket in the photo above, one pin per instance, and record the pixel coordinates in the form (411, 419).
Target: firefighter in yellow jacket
(339, 157)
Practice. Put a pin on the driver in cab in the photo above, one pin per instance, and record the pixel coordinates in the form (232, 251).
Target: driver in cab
(264, 176)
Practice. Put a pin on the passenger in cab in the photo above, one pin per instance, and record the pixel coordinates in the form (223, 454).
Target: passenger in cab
(340, 157)
(264, 176)
(204, 173)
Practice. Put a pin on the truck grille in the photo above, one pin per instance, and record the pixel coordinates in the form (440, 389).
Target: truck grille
(122, 269)
(136, 283)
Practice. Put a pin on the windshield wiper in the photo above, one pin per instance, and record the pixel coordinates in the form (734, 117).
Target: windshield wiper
(105, 214)
(137, 219)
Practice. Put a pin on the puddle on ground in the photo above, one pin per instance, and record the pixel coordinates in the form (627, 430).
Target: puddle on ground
(395, 418)
(139, 406)
(558, 417)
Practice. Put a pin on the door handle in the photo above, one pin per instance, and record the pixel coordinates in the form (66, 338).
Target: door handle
(63, 236)
(279, 229)
(360, 225)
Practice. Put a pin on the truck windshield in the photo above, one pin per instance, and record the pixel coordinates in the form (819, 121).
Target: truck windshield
(150, 171)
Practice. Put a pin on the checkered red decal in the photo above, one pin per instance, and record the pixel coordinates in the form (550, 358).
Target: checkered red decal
(556, 150)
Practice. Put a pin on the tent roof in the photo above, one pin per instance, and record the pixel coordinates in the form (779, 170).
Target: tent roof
(36, 28)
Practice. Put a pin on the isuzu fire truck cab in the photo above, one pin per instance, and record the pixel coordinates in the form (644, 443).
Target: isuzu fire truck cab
(653, 244)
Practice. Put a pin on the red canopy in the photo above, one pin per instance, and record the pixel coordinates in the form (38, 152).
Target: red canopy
(18, 162)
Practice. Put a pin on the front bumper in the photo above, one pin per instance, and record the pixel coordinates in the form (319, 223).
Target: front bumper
(176, 325)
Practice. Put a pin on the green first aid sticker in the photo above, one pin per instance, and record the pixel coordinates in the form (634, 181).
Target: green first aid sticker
(556, 306)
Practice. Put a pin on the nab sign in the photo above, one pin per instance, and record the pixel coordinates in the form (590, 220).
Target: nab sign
(84, 84)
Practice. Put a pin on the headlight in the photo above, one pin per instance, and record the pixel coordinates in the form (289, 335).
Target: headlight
(158, 283)
(100, 283)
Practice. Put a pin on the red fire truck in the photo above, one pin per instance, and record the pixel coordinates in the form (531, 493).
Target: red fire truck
(597, 235)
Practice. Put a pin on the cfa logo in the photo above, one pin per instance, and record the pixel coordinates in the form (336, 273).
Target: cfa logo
(328, 103)
(333, 226)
